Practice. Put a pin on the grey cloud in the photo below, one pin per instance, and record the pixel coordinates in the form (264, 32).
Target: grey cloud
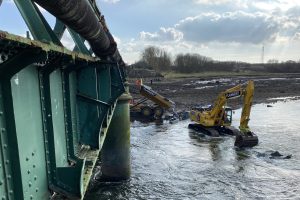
(238, 27)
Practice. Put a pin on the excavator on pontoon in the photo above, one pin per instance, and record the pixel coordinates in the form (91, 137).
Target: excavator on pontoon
(216, 120)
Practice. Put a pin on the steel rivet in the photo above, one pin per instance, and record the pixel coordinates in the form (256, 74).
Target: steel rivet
(35, 177)
(27, 159)
(32, 154)
(1, 182)
(33, 166)
(31, 197)
(36, 189)
(28, 172)
(29, 184)
(11, 192)
(7, 162)
(8, 177)
(3, 198)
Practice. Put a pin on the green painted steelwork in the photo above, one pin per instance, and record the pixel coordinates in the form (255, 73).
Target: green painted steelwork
(28, 120)
(35, 21)
(56, 106)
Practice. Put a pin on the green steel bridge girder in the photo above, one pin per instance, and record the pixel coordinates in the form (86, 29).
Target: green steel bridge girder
(55, 110)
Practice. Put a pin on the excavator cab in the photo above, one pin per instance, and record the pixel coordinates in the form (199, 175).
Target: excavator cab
(227, 116)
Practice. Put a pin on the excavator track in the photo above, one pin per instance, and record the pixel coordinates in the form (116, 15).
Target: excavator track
(210, 131)
(242, 140)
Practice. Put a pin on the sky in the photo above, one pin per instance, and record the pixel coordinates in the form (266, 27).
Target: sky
(226, 30)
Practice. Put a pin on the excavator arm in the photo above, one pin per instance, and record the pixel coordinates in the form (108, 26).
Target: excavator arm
(248, 98)
(245, 137)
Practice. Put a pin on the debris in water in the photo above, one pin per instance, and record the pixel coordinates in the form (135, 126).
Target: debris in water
(273, 155)
(277, 155)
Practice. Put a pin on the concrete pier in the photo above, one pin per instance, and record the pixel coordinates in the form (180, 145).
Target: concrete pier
(115, 153)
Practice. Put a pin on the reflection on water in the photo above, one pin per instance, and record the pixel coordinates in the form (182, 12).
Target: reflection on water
(169, 161)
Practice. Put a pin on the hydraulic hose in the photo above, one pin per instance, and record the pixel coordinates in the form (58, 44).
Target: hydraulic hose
(79, 16)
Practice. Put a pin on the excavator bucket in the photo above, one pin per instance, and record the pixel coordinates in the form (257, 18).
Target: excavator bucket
(246, 140)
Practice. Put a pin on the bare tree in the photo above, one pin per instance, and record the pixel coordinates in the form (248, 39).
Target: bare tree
(157, 58)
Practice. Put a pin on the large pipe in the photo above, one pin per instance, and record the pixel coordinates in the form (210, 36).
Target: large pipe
(79, 16)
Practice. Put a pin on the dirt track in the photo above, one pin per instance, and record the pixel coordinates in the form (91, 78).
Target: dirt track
(189, 92)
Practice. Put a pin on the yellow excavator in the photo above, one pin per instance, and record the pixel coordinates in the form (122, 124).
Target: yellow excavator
(216, 120)
(150, 111)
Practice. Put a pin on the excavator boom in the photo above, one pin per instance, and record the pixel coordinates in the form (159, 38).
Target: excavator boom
(147, 92)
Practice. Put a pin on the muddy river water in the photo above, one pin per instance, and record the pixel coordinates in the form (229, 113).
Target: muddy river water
(169, 161)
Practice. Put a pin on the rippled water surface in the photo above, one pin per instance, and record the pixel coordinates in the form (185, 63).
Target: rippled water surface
(172, 162)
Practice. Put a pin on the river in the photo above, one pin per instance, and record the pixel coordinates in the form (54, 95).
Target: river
(170, 161)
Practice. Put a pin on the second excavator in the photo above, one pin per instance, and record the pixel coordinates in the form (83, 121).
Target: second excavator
(216, 120)
(151, 111)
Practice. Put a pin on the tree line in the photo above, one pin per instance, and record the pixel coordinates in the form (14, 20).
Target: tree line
(161, 61)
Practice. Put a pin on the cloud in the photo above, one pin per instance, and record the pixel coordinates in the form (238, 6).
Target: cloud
(212, 2)
(239, 26)
(262, 5)
(235, 35)
(67, 41)
(236, 26)
(283, 5)
(164, 34)
(296, 37)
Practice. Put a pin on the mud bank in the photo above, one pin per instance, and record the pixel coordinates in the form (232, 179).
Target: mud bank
(189, 92)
